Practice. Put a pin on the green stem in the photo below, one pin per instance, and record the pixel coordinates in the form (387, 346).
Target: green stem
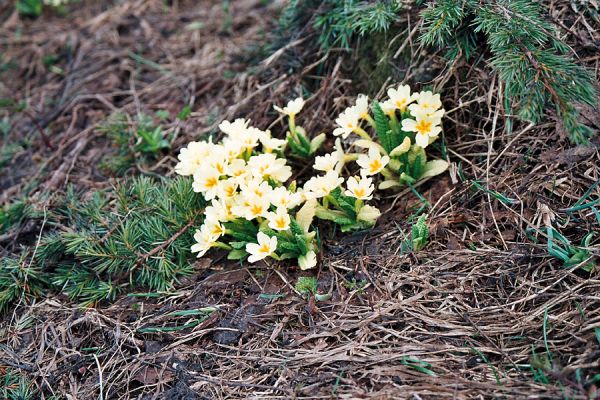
(292, 125)
(362, 133)
(222, 245)
(358, 205)
(370, 120)
(394, 123)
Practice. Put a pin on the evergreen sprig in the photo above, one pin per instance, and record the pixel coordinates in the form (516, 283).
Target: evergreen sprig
(338, 22)
(139, 237)
(532, 62)
(19, 279)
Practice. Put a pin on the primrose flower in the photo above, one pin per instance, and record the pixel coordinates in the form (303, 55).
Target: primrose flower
(426, 128)
(235, 128)
(219, 210)
(270, 143)
(227, 188)
(237, 169)
(293, 107)
(256, 187)
(206, 182)
(281, 197)
(340, 155)
(400, 98)
(307, 261)
(233, 148)
(249, 139)
(279, 220)
(204, 241)
(361, 189)
(388, 107)
(427, 104)
(268, 165)
(214, 228)
(373, 163)
(252, 207)
(362, 106)
(348, 122)
(326, 163)
(321, 186)
(265, 247)
(192, 157)
(218, 160)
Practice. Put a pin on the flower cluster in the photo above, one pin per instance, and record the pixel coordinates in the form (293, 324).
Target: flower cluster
(404, 125)
(256, 211)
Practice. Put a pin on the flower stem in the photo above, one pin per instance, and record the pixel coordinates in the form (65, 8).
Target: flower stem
(370, 120)
(362, 133)
(292, 125)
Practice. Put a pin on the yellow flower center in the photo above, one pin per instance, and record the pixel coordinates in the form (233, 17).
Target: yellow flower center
(220, 167)
(423, 127)
(264, 248)
(230, 191)
(256, 209)
(211, 182)
(359, 192)
(401, 104)
(280, 223)
(375, 165)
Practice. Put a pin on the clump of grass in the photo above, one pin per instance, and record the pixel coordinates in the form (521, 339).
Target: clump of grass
(15, 386)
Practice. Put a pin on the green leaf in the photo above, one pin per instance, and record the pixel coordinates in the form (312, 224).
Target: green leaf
(344, 221)
(301, 244)
(238, 254)
(162, 115)
(433, 168)
(382, 127)
(305, 215)
(29, 8)
(316, 143)
(238, 245)
(184, 113)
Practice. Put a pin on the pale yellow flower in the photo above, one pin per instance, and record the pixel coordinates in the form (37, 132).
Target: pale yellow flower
(269, 166)
(265, 247)
(192, 157)
(321, 186)
(348, 122)
(206, 182)
(279, 220)
(326, 162)
(427, 103)
(293, 107)
(425, 127)
(401, 97)
(373, 163)
(204, 241)
(361, 189)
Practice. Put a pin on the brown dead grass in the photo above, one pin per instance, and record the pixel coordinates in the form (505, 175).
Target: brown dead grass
(472, 305)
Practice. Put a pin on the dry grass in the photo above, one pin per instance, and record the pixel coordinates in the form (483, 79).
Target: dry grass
(473, 306)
